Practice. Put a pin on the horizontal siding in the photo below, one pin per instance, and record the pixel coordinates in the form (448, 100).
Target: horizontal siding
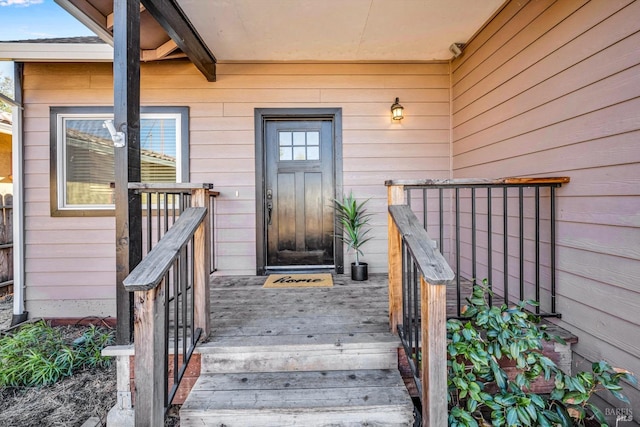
(222, 148)
(553, 89)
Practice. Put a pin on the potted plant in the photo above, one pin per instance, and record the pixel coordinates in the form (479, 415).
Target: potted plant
(355, 226)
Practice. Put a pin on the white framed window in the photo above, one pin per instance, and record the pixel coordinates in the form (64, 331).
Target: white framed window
(82, 156)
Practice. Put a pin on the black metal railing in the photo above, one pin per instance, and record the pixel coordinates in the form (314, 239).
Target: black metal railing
(503, 231)
(410, 329)
(167, 284)
(170, 285)
(418, 279)
(162, 204)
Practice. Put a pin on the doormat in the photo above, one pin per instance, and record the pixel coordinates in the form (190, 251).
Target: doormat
(274, 281)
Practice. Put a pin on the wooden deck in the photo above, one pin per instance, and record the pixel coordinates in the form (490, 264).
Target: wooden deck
(299, 356)
(241, 307)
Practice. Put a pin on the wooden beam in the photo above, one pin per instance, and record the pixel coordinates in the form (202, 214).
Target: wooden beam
(434, 353)
(159, 53)
(470, 182)
(126, 88)
(172, 19)
(395, 195)
(202, 259)
(150, 356)
(110, 16)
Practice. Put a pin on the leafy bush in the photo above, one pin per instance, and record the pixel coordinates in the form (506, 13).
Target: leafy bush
(37, 354)
(480, 390)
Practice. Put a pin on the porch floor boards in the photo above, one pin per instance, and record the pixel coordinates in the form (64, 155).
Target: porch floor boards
(299, 356)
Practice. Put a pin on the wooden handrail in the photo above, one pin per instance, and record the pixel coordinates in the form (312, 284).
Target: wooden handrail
(469, 182)
(435, 274)
(148, 282)
(431, 263)
(168, 186)
(151, 270)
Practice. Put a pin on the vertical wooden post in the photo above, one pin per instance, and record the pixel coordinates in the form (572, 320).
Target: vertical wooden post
(126, 90)
(434, 354)
(202, 256)
(6, 241)
(149, 355)
(395, 196)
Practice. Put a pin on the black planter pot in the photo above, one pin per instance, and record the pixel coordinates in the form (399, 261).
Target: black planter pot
(359, 272)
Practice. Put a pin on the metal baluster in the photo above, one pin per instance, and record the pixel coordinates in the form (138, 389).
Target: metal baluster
(165, 356)
(537, 219)
(474, 242)
(441, 200)
(424, 209)
(552, 195)
(489, 247)
(149, 224)
(416, 311)
(458, 296)
(505, 222)
(521, 241)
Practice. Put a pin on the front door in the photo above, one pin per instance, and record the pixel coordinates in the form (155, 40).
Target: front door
(298, 193)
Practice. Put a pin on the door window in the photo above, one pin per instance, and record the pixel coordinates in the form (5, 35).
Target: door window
(299, 145)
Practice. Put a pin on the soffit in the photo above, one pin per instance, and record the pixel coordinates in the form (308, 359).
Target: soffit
(336, 30)
(310, 30)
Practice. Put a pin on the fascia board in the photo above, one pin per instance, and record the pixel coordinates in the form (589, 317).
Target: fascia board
(55, 52)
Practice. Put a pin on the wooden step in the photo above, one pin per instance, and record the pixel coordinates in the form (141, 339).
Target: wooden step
(318, 398)
(311, 352)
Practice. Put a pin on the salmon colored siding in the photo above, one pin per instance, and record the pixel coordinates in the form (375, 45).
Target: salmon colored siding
(70, 262)
(553, 89)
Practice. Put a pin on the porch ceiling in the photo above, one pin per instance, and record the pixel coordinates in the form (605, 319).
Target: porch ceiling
(307, 30)
(336, 30)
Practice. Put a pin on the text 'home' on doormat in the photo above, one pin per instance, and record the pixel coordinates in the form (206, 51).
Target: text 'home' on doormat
(322, 280)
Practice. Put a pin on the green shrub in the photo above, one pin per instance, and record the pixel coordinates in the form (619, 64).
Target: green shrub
(480, 390)
(37, 354)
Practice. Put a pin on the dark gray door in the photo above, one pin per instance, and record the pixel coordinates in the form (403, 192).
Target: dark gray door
(299, 188)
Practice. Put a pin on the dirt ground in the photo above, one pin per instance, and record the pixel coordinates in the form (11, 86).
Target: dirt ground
(69, 403)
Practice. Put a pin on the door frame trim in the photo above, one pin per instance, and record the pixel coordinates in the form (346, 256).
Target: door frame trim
(261, 116)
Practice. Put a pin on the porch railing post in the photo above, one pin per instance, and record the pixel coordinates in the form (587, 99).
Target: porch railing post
(395, 197)
(202, 258)
(149, 345)
(434, 354)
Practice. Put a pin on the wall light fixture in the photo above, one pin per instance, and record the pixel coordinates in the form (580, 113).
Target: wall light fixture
(397, 110)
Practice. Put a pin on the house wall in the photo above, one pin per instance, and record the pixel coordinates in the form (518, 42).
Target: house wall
(553, 89)
(5, 156)
(70, 262)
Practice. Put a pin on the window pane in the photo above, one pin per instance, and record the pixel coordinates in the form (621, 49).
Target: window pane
(299, 153)
(285, 153)
(313, 138)
(313, 153)
(158, 149)
(89, 163)
(285, 138)
(85, 155)
(298, 138)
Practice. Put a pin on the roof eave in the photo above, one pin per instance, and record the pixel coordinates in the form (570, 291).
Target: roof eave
(58, 52)
(99, 28)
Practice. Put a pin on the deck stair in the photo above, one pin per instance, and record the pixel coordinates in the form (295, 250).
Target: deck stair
(299, 357)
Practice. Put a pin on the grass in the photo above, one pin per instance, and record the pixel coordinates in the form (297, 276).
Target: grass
(37, 354)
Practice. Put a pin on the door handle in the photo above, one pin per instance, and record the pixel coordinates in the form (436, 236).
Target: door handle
(269, 205)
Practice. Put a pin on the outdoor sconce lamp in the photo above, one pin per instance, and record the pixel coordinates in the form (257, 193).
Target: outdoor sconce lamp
(396, 110)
